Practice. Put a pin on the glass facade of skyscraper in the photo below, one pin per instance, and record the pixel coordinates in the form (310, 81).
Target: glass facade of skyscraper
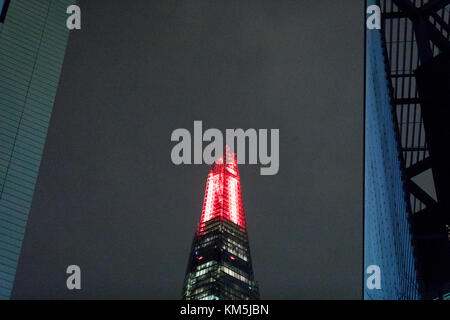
(33, 39)
(388, 241)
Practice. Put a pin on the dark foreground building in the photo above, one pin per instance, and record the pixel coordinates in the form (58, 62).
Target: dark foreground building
(220, 266)
(407, 167)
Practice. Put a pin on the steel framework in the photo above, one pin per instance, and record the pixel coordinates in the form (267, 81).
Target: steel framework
(416, 37)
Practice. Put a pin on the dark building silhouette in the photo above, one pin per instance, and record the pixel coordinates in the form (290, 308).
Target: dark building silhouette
(220, 266)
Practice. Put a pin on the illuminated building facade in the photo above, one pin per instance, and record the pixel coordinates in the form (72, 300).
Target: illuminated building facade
(220, 266)
(33, 39)
(387, 235)
(407, 172)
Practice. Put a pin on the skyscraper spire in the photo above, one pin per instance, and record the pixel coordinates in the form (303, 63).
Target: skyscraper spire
(220, 266)
(223, 192)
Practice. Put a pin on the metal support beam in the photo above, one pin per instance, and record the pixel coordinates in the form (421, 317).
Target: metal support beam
(402, 75)
(418, 167)
(444, 25)
(423, 36)
(424, 30)
(415, 149)
(433, 6)
(408, 8)
(420, 194)
(394, 15)
(402, 101)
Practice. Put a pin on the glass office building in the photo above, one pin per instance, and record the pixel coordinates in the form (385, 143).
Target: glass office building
(388, 240)
(33, 39)
(220, 266)
(408, 67)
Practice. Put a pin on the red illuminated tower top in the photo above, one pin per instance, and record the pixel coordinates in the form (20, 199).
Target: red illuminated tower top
(220, 265)
(223, 192)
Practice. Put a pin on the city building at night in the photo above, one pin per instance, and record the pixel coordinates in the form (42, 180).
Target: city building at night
(388, 240)
(220, 266)
(33, 39)
(407, 176)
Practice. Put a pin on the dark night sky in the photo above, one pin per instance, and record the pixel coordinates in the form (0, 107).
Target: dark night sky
(108, 197)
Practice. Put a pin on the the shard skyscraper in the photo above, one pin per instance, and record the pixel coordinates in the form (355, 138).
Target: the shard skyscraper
(220, 266)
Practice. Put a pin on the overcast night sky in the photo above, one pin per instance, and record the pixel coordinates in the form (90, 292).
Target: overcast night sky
(108, 197)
